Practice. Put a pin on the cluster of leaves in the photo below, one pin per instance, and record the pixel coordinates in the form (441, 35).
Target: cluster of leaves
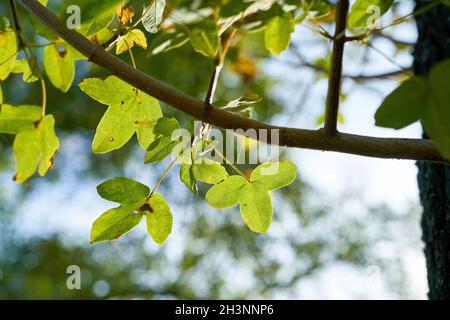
(208, 26)
(131, 111)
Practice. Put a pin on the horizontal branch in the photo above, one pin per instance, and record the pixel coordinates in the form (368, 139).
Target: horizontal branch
(414, 149)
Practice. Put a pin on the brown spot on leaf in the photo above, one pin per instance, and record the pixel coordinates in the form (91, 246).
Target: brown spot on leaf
(62, 52)
(111, 139)
(146, 207)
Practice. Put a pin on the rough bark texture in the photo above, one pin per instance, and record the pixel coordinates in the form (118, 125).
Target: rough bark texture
(433, 45)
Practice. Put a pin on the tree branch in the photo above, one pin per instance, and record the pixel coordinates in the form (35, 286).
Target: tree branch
(335, 80)
(414, 149)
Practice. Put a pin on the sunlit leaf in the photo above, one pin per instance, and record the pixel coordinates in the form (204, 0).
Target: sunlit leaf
(256, 208)
(274, 175)
(16, 119)
(363, 12)
(278, 33)
(114, 223)
(35, 149)
(227, 193)
(130, 111)
(128, 41)
(159, 218)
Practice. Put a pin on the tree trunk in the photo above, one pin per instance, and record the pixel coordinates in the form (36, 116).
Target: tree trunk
(433, 45)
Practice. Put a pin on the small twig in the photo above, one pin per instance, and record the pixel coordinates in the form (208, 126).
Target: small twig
(231, 164)
(44, 96)
(335, 79)
(416, 13)
(17, 26)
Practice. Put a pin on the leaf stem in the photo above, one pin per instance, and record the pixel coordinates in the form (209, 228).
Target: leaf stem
(231, 165)
(161, 179)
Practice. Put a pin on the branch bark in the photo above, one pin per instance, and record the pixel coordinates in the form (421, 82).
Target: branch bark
(392, 148)
(335, 80)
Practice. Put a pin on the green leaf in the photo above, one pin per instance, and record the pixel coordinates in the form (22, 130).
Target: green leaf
(404, 106)
(278, 33)
(159, 219)
(316, 9)
(160, 149)
(123, 190)
(187, 177)
(209, 171)
(166, 126)
(35, 149)
(29, 68)
(130, 110)
(59, 63)
(256, 208)
(163, 145)
(361, 13)
(114, 223)
(227, 193)
(128, 41)
(16, 119)
(274, 175)
(205, 39)
(95, 15)
(436, 119)
(8, 53)
(154, 16)
(4, 23)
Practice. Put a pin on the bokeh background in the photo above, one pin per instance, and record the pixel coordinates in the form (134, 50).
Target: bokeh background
(348, 228)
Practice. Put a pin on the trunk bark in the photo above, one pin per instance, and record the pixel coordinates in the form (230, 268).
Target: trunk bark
(433, 45)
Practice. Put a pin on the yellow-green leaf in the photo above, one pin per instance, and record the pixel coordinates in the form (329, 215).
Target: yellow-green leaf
(128, 41)
(130, 111)
(114, 223)
(16, 119)
(274, 175)
(278, 33)
(59, 63)
(363, 10)
(35, 149)
(256, 208)
(227, 193)
(8, 45)
(159, 218)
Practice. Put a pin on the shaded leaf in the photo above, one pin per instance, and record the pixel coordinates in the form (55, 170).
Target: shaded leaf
(123, 190)
(404, 106)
